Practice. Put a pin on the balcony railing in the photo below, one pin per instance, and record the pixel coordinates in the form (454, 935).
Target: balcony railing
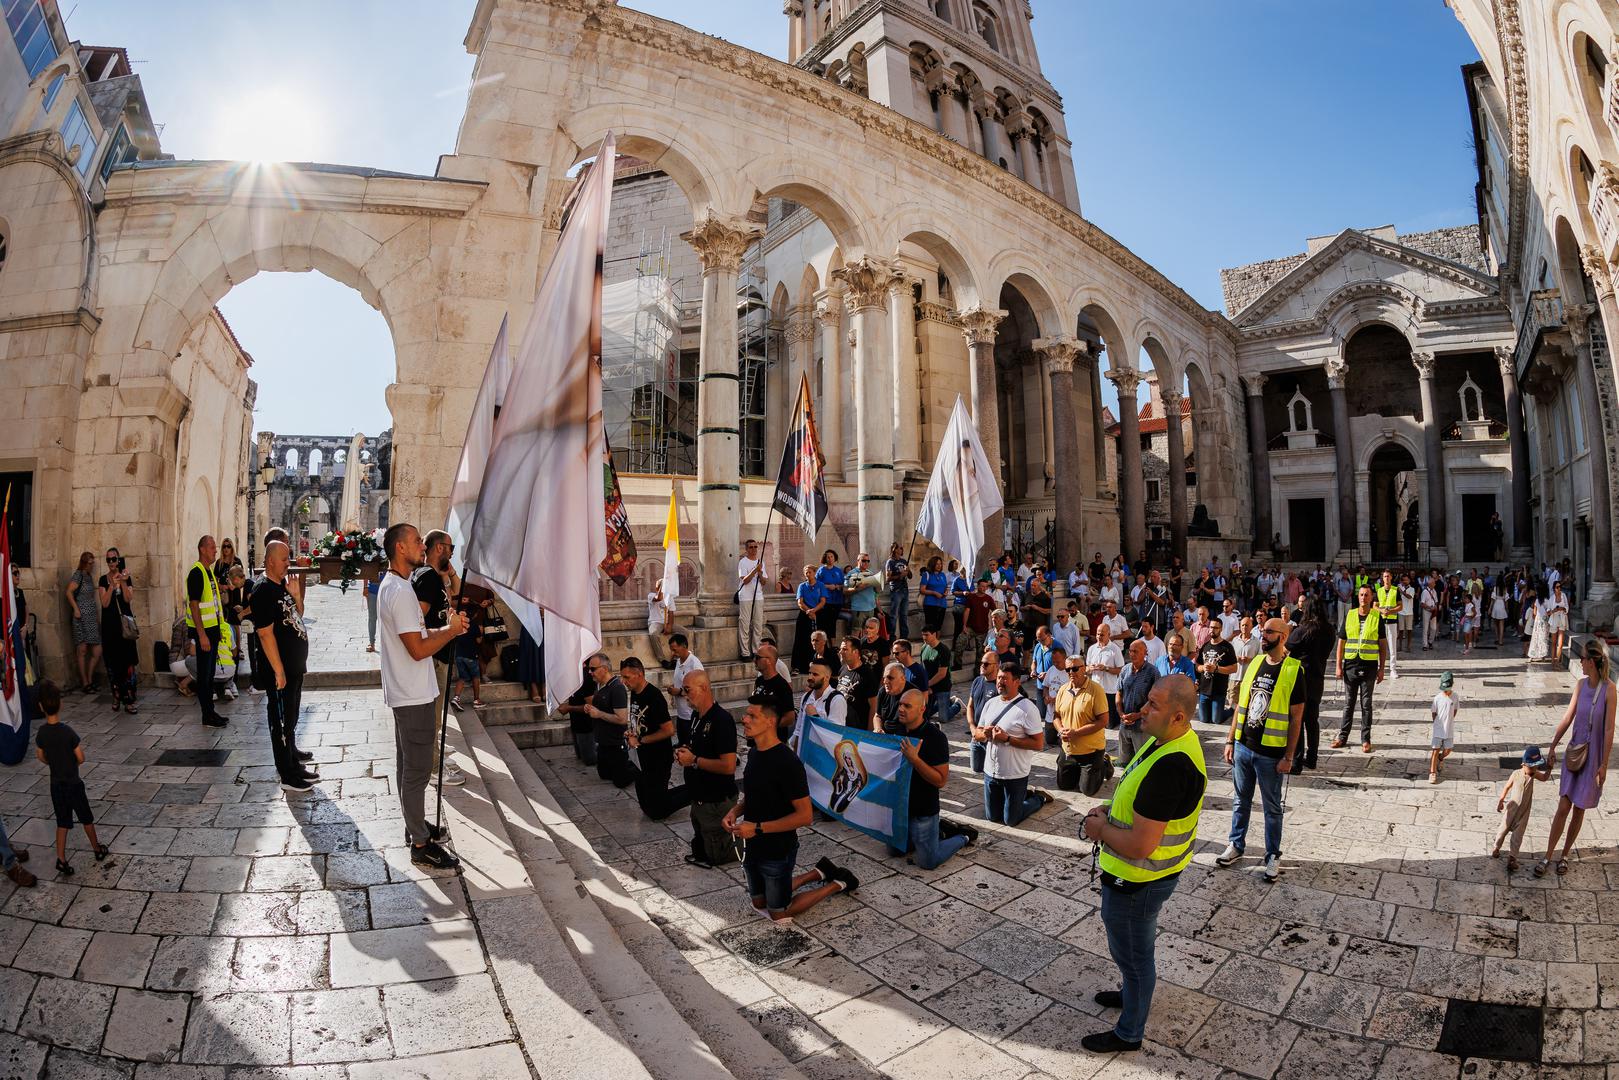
(1544, 313)
(1605, 210)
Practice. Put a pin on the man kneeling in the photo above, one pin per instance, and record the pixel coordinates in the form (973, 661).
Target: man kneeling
(930, 770)
(775, 804)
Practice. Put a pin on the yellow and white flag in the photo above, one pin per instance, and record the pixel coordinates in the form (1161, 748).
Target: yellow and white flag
(671, 555)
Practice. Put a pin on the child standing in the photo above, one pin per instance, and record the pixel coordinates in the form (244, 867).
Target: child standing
(1445, 707)
(1516, 800)
(58, 747)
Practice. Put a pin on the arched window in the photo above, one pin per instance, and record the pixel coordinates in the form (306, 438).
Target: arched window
(941, 9)
(1596, 66)
(292, 458)
(988, 25)
(5, 237)
(315, 460)
(53, 89)
(340, 457)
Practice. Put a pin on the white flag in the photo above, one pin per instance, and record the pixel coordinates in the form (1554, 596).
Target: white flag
(962, 493)
(469, 476)
(11, 664)
(540, 526)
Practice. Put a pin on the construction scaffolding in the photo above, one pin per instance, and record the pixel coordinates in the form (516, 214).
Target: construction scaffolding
(759, 349)
(641, 376)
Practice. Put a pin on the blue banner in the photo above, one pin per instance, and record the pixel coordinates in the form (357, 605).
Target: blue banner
(859, 777)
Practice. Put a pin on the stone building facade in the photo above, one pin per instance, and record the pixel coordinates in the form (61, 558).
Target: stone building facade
(1152, 426)
(319, 484)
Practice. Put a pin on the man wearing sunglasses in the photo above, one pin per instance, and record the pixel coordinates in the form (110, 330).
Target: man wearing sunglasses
(1079, 714)
(1259, 749)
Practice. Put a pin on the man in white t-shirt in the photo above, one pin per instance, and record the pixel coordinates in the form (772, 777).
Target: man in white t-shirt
(750, 626)
(1012, 733)
(1156, 649)
(1229, 619)
(410, 688)
(686, 662)
(1428, 603)
(1103, 662)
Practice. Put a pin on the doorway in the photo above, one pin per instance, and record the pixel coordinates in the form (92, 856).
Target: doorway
(1307, 530)
(1391, 491)
(1478, 538)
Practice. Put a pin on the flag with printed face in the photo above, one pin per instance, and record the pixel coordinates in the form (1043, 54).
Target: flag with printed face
(801, 483)
(539, 527)
(859, 777)
(961, 493)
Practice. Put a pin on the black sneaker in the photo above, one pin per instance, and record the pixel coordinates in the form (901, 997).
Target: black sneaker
(968, 831)
(436, 834)
(1110, 999)
(299, 784)
(828, 871)
(311, 776)
(214, 721)
(303, 755)
(434, 857)
(1106, 1042)
(850, 882)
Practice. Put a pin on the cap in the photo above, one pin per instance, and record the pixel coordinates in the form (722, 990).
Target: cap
(1532, 755)
(1446, 681)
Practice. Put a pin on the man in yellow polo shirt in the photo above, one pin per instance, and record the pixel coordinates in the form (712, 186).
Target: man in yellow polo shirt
(1144, 838)
(1079, 714)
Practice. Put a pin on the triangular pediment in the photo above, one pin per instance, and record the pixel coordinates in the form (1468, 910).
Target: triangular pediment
(1355, 264)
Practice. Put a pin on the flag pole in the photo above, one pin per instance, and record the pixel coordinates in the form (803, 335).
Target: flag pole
(443, 734)
(764, 547)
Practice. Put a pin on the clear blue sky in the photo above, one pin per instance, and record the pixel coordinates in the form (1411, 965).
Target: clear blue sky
(1206, 134)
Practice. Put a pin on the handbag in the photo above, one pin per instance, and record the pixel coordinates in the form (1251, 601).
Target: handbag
(131, 628)
(1579, 752)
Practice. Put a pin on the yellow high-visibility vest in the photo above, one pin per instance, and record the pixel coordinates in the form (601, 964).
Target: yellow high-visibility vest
(208, 606)
(1174, 851)
(1281, 698)
(1363, 636)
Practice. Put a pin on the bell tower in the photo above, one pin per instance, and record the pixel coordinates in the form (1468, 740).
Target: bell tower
(969, 69)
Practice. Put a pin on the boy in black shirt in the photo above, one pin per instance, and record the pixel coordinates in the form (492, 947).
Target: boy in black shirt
(651, 735)
(775, 805)
(58, 747)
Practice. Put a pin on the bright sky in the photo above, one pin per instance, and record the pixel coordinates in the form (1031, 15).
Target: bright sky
(1205, 134)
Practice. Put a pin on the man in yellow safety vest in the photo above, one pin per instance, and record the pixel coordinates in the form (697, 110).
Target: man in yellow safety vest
(203, 621)
(1361, 651)
(1388, 611)
(1144, 838)
(1259, 748)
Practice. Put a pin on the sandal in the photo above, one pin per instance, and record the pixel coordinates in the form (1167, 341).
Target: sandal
(100, 851)
(370, 648)
(1541, 867)
(1512, 863)
(63, 868)
(1562, 867)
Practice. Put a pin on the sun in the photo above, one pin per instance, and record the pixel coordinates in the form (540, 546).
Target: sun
(268, 125)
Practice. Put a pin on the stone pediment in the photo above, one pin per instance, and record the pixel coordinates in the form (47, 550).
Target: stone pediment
(1355, 265)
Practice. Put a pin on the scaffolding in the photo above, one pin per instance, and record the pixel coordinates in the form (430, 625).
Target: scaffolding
(641, 367)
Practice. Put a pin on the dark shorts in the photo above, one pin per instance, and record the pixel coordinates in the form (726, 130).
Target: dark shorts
(772, 879)
(67, 799)
(466, 667)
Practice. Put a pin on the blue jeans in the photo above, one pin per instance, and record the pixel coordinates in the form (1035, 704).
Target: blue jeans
(976, 752)
(943, 708)
(927, 849)
(899, 602)
(771, 880)
(1246, 768)
(1007, 802)
(1210, 709)
(1131, 922)
(8, 857)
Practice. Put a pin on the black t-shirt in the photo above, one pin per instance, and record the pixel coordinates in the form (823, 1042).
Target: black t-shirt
(59, 741)
(112, 622)
(874, 654)
(1170, 790)
(775, 691)
(1253, 718)
(610, 698)
(194, 582)
(272, 606)
(578, 722)
(649, 712)
(857, 690)
(1343, 634)
(773, 779)
(1223, 654)
(713, 735)
(1096, 570)
(428, 585)
(935, 750)
(888, 708)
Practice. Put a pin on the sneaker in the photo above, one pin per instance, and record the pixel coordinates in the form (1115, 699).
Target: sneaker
(455, 703)
(1272, 868)
(434, 857)
(1106, 1042)
(453, 777)
(299, 784)
(215, 721)
(969, 832)
(826, 868)
(849, 882)
(230, 692)
(436, 833)
(255, 691)
(302, 755)
(20, 875)
(1109, 999)
(1228, 856)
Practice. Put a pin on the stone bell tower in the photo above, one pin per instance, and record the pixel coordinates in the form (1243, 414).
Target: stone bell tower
(966, 68)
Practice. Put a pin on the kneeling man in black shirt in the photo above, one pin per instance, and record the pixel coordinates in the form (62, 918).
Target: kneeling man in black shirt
(775, 805)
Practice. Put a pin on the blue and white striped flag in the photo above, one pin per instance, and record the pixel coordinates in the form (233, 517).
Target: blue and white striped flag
(859, 777)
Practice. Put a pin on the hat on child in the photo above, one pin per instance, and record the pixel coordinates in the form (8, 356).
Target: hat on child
(1446, 681)
(1532, 755)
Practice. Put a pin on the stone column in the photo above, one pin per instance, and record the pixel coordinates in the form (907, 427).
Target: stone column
(797, 38)
(1059, 354)
(719, 246)
(989, 121)
(943, 82)
(1344, 452)
(1132, 495)
(1433, 448)
(1522, 550)
(1177, 471)
(829, 313)
(1098, 429)
(978, 326)
(1578, 319)
(867, 284)
(1024, 136)
(907, 413)
(1258, 460)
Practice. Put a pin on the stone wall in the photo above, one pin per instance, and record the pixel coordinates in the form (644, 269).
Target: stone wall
(1243, 285)
(1458, 244)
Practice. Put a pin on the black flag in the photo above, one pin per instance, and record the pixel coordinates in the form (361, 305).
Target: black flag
(801, 485)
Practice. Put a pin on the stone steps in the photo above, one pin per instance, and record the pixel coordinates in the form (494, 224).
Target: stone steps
(626, 949)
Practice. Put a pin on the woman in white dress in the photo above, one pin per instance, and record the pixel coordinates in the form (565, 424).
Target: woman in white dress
(1498, 612)
(1557, 619)
(1534, 614)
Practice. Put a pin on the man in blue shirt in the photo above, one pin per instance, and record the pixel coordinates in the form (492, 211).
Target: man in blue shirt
(916, 675)
(1065, 633)
(935, 594)
(830, 577)
(1135, 683)
(860, 588)
(1176, 662)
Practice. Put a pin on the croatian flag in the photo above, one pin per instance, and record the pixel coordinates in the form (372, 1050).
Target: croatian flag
(859, 777)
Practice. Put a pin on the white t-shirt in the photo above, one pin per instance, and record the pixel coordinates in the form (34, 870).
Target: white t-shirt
(654, 612)
(1019, 719)
(1024, 572)
(1053, 680)
(1112, 592)
(1116, 624)
(1108, 656)
(835, 711)
(752, 590)
(682, 669)
(1230, 623)
(1156, 649)
(405, 681)
(1430, 599)
(1445, 707)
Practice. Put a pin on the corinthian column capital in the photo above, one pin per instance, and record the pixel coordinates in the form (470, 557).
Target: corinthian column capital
(720, 244)
(1504, 359)
(1255, 384)
(1577, 317)
(1596, 268)
(978, 324)
(1423, 361)
(1126, 380)
(866, 283)
(1337, 369)
(1059, 352)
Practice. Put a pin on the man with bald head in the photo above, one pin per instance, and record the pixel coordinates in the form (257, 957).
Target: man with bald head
(929, 755)
(1259, 748)
(708, 754)
(1144, 838)
(1134, 685)
(284, 654)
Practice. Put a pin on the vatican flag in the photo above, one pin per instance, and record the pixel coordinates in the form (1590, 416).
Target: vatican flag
(671, 555)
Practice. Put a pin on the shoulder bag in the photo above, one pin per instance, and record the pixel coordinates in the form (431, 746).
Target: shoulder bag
(1580, 752)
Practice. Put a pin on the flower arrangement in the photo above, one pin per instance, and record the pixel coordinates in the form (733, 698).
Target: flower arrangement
(358, 555)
